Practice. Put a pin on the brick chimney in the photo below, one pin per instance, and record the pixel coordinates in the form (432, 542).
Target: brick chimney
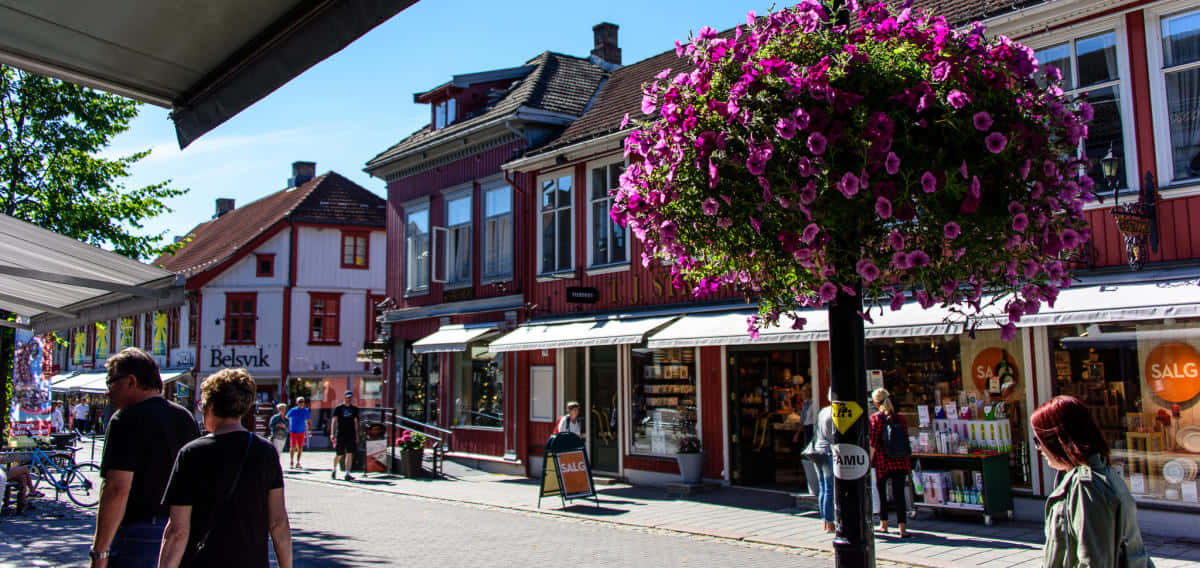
(606, 54)
(302, 172)
(224, 205)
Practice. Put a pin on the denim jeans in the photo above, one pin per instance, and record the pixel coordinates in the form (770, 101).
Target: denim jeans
(136, 544)
(825, 496)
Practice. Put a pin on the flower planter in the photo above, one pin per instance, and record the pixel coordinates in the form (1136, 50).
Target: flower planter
(691, 466)
(410, 463)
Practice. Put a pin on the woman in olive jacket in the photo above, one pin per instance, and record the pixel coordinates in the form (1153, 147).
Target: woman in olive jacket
(1091, 519)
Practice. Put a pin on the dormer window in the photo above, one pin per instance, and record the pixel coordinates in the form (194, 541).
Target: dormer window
(444, 114)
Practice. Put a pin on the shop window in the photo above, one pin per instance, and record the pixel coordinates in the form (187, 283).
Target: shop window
(264, 265)
(770, 400)
(125, 333)
(323, 318)
(323, 395)
(458, 239)
(418, 256)
(420, 388)
(498, 232)
(954, 382)
(240, 318)
(1181, 79)
(193, 330)
(355, 249)
(370, 393)
(664, 400)
(1141, 382)
(606, 239)
(1089, 65)
(555, 222)
(173, 327)
(479, 388)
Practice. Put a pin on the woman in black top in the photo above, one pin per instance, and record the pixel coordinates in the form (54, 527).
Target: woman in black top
(226, 491)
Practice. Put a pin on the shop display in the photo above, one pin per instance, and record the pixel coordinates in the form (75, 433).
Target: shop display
(664, 399)
(769, 392)
(975, 483)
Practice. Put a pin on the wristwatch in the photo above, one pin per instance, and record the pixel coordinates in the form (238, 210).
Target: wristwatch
(98, 555)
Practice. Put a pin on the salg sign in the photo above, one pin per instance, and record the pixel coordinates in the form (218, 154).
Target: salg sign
(1173, 372)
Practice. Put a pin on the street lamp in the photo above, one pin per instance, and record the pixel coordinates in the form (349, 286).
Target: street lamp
(1136, 222)
(1108, 167)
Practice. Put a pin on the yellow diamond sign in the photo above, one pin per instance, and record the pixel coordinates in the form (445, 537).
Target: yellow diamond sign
(845, 414)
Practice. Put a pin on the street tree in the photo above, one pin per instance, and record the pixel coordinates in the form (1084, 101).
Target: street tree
(53, 173)
(821, 165)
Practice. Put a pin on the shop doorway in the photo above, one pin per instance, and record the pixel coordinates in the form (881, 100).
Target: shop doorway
(590, 378)
(770, 393)
(419, 388)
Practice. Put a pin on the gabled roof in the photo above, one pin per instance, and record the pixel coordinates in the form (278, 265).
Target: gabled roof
(468, 79)
(558, 85)
(962, 12)
(329, 198)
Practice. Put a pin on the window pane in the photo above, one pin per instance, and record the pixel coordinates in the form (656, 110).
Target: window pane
(617, 241)
(499, 201)
(505, 244)
(1181, 39)
(1096, 57)
(564, 239)
(548, 201)
(232, 324)
(614, 175)
(318, 306)
(1183, 115)
(1058, 56)
(599, 183)
(548, 241)
(479, 388)
(460, 254)
(418, 223)
(317, 326)
(1105, 131)
(600, 232)
(458, 211)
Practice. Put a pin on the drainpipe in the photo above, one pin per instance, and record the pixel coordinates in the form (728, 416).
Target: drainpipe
(285, 347)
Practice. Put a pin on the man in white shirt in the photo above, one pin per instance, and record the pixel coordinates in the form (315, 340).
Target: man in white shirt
(81, 411)
(56, 417)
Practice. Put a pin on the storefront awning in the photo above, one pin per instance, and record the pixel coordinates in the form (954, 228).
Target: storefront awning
(1121, 302)
(172, 375)
(590, 333)
(913, 321)
(94, 383)
(730, 328)
(453, 337)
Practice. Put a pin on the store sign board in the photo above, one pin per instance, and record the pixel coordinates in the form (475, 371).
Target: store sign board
(566, 471)
(994, 371)
(1173, 372)
(582, 295)
(845, 414)
(850, 462)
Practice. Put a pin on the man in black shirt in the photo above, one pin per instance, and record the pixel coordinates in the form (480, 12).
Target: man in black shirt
(143, 437)
(345, 433)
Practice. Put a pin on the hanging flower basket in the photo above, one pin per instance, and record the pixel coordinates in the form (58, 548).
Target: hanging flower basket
(1132, 220)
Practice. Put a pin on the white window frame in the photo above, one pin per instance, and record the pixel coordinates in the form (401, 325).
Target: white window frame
(569, 208)
(1163, 154)
(489, 246)
(1116, 25)
(410, 209)
(444, 113)
(591, 261)
(452, 234)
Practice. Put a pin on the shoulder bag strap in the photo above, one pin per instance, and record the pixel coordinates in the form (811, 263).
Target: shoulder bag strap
(212, 516)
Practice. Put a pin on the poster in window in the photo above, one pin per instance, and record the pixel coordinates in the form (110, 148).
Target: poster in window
(159, 343)
(79, 350)
(102, 348)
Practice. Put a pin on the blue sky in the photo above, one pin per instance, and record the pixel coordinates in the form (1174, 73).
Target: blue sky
(358, 102)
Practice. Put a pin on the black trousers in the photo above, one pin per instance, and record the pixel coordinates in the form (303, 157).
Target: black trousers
(898, 500)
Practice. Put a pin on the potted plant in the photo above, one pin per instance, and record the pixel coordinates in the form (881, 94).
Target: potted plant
(690, 459)
(412, 452)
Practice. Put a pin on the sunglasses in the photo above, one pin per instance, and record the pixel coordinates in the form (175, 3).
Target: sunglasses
(111, 379)
(1037, 442)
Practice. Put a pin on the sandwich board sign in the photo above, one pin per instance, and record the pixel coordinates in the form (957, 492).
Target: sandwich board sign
(566, 471)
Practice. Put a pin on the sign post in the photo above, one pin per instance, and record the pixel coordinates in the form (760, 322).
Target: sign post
(566, 470)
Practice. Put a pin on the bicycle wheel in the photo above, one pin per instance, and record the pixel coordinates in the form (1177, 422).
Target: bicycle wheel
(83, 484)
(36, 474)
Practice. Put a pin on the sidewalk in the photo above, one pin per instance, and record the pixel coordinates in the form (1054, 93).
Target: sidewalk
(738, 514)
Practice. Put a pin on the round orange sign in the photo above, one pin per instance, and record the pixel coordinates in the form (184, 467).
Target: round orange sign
(995, 372)
(1173, 372)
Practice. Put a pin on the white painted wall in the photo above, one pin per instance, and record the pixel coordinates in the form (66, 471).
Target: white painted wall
(319, 262)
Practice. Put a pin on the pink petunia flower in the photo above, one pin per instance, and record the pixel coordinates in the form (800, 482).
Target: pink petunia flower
(828, 292)
(901, 261)
(883, 207)
(808, 193)
(786, 128)
(724, 222)
(928, 182)
(982, 121)
(848, 185)
(867, 270)
(897, 301)
(896, 240)
(1020, 222)
(957, 98)
(810, 232)
(952, 230)
(918, 258)
(710, 206)
(892, 163)
(996, 142)
(941, 70)
(817, 143)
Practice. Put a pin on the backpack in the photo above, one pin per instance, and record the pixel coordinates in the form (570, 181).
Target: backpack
(895, 440)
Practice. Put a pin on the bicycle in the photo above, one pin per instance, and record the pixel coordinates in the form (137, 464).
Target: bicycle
(81, 482)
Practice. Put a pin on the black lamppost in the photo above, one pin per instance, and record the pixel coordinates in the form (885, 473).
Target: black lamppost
(1108, 167)
(1137, 222)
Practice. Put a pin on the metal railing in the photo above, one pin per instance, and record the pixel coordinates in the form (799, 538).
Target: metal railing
(440, 444)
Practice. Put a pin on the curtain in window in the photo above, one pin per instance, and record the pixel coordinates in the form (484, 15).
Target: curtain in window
(498, 236)
(460, 255)
(1183, 107)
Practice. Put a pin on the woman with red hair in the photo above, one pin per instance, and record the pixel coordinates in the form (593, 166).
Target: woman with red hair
(1091, 519)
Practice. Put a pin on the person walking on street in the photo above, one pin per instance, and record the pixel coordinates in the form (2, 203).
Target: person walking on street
(56, 417)
(890, 453)
(820, 451)
(143, 437)
(80, 413)
(570, 421)
(345, 434)
(226, 489)
(278, 426)
(1091, 519)
(298, 427)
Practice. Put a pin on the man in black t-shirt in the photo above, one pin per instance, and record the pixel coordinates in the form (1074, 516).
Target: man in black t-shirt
(345, 433)
(143, 437)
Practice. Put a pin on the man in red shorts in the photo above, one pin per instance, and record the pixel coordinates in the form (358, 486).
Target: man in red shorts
(298, 426)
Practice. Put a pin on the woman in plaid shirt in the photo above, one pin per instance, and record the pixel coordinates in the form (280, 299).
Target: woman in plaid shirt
(889, 468)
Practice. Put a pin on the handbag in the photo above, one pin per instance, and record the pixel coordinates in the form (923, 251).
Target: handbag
(212, 515)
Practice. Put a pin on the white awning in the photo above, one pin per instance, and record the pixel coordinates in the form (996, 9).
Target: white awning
(94, 383)
(452, 337)
(591, 333)
(1178, 298)
(913, 321)
(730, 328)
(172, 375)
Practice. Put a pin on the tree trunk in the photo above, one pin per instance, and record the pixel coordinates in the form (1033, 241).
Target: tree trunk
(854, 544)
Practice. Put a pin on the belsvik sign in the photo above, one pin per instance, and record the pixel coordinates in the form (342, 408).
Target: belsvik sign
(239, 356)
